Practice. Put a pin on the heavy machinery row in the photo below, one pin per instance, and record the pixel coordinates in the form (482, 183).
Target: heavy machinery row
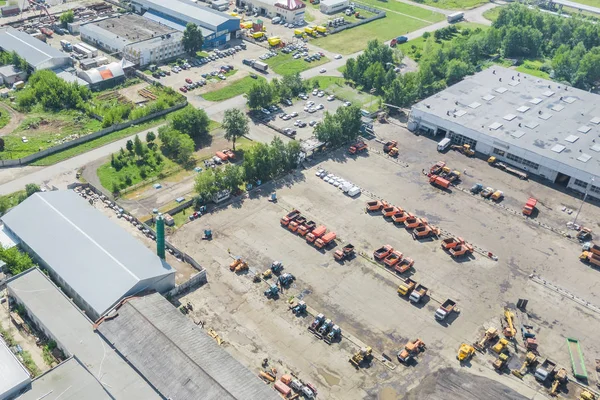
(418, 227)
(318, 236)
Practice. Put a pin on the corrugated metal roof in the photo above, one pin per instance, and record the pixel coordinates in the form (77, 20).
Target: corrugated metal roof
(188, 12)
(12, 373)
(178, 357)
(153, 16)
(95, 257)
(34, 51)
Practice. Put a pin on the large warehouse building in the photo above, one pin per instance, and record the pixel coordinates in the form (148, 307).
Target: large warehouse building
(543, 127)
(288, 10)
(217, 27)
(95, 261)
(138, 39)
(38, 54)
(14, 377)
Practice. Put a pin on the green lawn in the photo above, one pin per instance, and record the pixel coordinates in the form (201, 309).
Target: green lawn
(13, 198)
(337, 86)
(234, 89)
(308, 17)
(532, 67)
(4, 117)
(284, 64)
(453, 4)
(593, 3)
(492, 14)
(406, 9)
(202, 54)
(109, 176)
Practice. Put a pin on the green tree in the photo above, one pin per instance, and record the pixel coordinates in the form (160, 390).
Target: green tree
(588, 72)
(294, 83)
(192, 39)
(232, 178)
(191, 121)
(16, 261)
(138, 146)
(235, 124)
(2, 144)
(129, 146)
(176, 145)
(4, 205)
(206, 184)
(260, 95)
(31, 188)
(456, 70)
(150, 137)
(66, 18)
(292, 154)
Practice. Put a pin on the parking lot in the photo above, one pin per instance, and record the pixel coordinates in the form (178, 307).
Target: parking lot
(360, 295)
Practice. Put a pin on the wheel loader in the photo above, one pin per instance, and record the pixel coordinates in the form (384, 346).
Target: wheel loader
(362, 356)
(465, 352)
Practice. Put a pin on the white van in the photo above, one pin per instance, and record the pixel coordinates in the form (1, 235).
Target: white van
(444, 144)
(354, 191)
(276, 20)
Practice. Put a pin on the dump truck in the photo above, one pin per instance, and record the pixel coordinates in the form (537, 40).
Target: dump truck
(497, 195)
(334, 334)
(401, 217)
(308, 227)
(445, 309)
(439, 181)
(584, 234)
(418, 294)
(388, 211)
(389, 145)
(358, 147)
(577, 361)
(346, 253)
(529, 206)
(488, 336)
(291, 216)
(450, 243)
(364, 355)
(545, 370)
(411, 350)
(487, 192)
(404, 265)
(316, 233)
(590, 258)
(375, 205)
(382, 252)
(423, 231)
(407, 287)
(465, 352)
(461, 250)
(394, 258)
(437, 168)
(412, 223)
(324, 241)
(295, 224)
(317, 322)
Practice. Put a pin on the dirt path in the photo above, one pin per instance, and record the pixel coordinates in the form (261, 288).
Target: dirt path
(15, 120)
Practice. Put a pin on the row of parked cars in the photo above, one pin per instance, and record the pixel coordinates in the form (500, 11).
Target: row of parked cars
(347, 187)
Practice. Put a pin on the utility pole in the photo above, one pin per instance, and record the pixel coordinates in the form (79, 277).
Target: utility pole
(583, 201)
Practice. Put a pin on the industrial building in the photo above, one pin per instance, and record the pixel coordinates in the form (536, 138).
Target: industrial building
(104, 76)
(14, 377)
(175, 355)
(333, 6)
(217, 27)
(138, 39)
(545, 128)
(52, 312)
(38, 54)
(96, 262)
(9, 74)
(288, 10)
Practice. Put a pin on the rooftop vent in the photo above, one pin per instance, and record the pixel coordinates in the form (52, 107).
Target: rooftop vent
(545, 116)
(584, 129)
(548, 93)
(501, 90)
(595, 148)
(517, 134)
(514, 83)
(522, 109)
(557, 107)
(584, 157)
(569, 100)
(595, 120)
(510, 117)
(535, 100)
(488, 97)
(558, 148)
(572, 138)
(495, 126)
(532, 125)
(459, 113)
(474, 105)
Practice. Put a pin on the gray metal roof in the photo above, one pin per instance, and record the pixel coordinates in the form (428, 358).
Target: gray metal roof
(9, 70)
(95, 257)
(69, 380)
(75, 334)
(187, 11)
(155, 17)
(12, 373)
(524, 111)
(176, 356)
(34, 51)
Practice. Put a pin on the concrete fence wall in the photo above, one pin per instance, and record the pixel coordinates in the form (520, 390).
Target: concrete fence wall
(87, 138)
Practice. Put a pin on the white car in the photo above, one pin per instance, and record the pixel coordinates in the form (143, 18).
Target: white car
(265, 111)
(327, 179)
(337, 56)
(315, 92)
(322, 70)
(321, 93)
(294, 114)
(347, 104)
(319, 172)
(298, 122)
(303, 96)
(310, 103)
(334, 180)
(287, 117)
(320, 107)
(330, 97)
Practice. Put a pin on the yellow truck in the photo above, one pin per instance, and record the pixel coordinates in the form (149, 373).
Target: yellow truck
(321, 29)
(258, 35)
(274, 40)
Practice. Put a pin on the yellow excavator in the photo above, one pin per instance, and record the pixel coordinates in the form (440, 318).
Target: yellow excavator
(530, 360)
(509, 330)
(362, 355)
(560, 378)
(500, 346)
(587, 395)
(465, 149)
(490, 334)
(465, 351)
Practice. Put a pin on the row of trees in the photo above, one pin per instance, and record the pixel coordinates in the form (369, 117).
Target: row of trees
(180, 136)
(52, 93)
(13, 58)
(263, 94)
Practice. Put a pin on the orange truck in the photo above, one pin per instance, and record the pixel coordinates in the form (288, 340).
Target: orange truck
(450, 243)
(423, 231)
(376, 205)
(401, 217)
(382, 252)
(358, 147)
(316, 233)
(461, 250)
(413, 222)
(306, 228)
(389, 146)
(394, 258)
(295, 224)
(222, 156)
(439, 181)
(529, 206)
(404, 265)
(389, 211)
(292, 215)
(324, 241)
(437, 167)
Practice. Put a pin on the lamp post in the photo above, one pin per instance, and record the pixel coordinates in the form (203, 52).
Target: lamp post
(583, 201)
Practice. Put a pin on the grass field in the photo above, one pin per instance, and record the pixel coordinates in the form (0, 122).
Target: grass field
(593, 3)
(492, 14)
(532, 67)
(337, 86)
(406, 9)
(4, 117)
(453, 4)
(109, 176)
(284, 64)
(234, 89)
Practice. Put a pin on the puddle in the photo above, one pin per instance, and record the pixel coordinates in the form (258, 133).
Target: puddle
(331, 379)
(387, 393)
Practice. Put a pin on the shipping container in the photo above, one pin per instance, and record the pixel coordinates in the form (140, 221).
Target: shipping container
(283, 388)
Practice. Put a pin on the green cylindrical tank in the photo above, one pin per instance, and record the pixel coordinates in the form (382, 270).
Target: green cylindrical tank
(160, 236)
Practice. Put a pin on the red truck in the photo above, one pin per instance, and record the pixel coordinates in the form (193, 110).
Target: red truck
(291, 216)
(439, 181)
(357, 147)
(383, 252)
(529, 206)
(316, 233)
(306, 228)
(324, 241)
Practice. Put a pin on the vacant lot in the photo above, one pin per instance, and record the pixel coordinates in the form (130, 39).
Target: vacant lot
(405, 9)
(452, 4)
(285, 64)
(232, 89)
(360, 295)
(338, 87)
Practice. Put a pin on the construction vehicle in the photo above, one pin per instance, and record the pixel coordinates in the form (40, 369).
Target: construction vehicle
(518, 173)
(560, 378)
(238, 265)
(382, 252)
(501, 362)
(509, 331)
(316, 324)
(266, 275)
(424, 231)
(276, 267)
(487, 192)
(412, 223)
(437, 168)
(266, 376)
(346, 253)
(465, 352)
(316, 233)
(286, 279)
(418, 294)
(358, 147)
(598, 372)
(362, 356)
(272, 292)
(207, 234)
(407, 287)
(445, 309)
(404, 265)
(584, 234)
(334, 334)
(587, 395)
(389, 211)
(453, 176)
(529, 206)
(497, 195)
(299, 308)
(324, 329)
(476, 188)
(326, 240)
(577, 361)
(488, 336)
(590, 258)
(530, 361)
(306, 228)
(464, 149)
(376, 205)
(401, 217)
(394, 258)
(388, 146)
(500, 346)
(451, 243)
(298, 222)
(411, 350)
(393, 152)
(531, 344)
(545, 370)
(291, 216)
(464, 249)
(439, 181)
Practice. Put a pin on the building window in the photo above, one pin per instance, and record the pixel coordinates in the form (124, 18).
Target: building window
(522, 161)
(499, 152)
(594, 189)
(580, 183)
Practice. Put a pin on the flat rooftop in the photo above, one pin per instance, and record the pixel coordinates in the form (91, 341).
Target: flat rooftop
(131, 27)
(76, 335)
(546, 118)
(12, 373)
(188, 11)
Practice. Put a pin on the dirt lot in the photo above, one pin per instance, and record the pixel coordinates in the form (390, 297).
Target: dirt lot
(361, 296)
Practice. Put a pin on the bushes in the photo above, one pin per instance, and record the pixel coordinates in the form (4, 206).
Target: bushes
(52, 93)
(16, 261)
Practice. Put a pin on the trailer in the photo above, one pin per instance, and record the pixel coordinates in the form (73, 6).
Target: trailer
(455, 17)
(260, 66)
(529, 206)
(577, 361)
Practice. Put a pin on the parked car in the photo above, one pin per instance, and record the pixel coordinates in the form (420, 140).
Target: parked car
(265, 111)
(322, 70)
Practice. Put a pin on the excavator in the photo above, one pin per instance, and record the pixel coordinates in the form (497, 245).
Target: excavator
(464, 149)
(530, 361)
(364, 355)
(509, 330)
(465, 352)
(560, 378)
(490, 334)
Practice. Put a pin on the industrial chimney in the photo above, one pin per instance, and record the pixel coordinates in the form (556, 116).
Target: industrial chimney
(160, 236)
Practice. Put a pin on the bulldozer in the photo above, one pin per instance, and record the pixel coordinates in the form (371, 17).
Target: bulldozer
(364, 355)
(530, 361)
(465, 352)
(489, 335)
(587, 395)
(501, 362)
(560, 378)
(500, 346)
(464, 149)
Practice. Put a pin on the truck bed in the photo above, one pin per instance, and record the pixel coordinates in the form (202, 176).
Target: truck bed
(577, 360)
